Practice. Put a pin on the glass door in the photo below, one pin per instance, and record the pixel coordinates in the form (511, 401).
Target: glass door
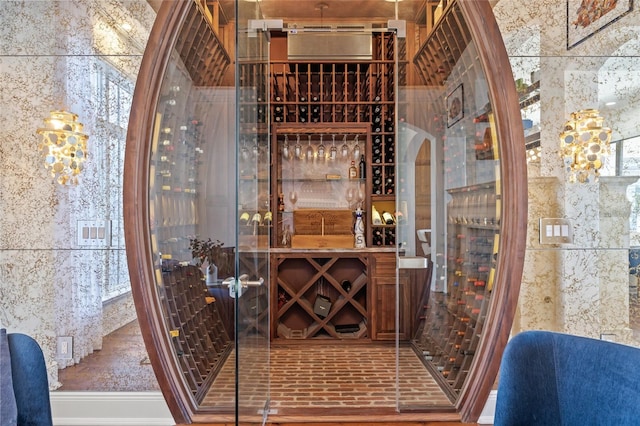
(254, 218)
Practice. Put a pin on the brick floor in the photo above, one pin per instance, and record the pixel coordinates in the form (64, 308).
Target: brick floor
(328, 376)
(303, 376)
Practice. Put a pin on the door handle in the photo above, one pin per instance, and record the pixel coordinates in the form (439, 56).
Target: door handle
(238, 286)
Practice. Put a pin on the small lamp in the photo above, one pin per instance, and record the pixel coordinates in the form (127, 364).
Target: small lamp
(584, 144)
(63, 146)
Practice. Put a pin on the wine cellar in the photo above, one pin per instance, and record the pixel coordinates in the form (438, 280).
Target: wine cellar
(359, 217)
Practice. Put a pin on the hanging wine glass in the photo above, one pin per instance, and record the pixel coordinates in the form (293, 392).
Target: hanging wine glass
(244, 152)
(297, 150)
(293, 198)
(356, 149)
(255, 150)
(333, 152)
(350, 195)
(345, 148)
(285, 148)
(360, 197)
(309, 155)
(321, 150)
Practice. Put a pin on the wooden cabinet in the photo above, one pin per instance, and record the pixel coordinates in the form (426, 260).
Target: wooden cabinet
(384, 307)
(318, 295)
(359, 288)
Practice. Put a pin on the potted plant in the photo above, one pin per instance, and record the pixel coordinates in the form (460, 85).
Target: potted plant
(209, 252)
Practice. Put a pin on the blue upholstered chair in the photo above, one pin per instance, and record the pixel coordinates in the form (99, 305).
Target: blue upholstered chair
(24, 383)
(551, 378)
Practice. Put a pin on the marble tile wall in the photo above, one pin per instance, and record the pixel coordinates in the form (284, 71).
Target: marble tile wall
(580, 288)
(49, 285)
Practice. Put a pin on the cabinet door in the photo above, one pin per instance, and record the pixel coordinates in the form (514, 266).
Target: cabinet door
(384, 315)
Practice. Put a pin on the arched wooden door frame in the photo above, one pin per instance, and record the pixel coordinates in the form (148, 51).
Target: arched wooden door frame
(495, 62)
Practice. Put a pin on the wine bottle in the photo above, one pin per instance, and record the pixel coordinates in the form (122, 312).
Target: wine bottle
(280, 203)
(387, 218)
(362, 169)
(244, 218)
(377, 237)
(375, 216)
(268, 218)
(256, 219)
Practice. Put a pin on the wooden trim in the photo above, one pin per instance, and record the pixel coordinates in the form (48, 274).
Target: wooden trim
(136, 208)
(504, 99)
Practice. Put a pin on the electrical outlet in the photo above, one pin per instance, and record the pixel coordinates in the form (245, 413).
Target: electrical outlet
(65, 347)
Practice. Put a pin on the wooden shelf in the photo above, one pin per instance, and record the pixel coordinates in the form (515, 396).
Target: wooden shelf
(202, 52)
(443, 47)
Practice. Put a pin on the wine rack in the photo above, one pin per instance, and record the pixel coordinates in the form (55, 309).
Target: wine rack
(340, 278)
(451, 322)
(200, 49)
(176, 156)
(331, 94)
(198, 333)
(444, 46)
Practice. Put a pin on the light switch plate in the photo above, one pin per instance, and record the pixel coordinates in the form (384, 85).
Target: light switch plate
(94, 233)
(555, 231)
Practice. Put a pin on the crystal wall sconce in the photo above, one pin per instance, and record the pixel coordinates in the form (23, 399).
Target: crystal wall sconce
(63, 146)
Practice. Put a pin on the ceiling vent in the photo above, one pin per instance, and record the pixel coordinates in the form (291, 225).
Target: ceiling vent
(329, 42)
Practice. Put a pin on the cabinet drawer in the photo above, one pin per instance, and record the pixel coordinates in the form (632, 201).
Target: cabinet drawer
(384, 264)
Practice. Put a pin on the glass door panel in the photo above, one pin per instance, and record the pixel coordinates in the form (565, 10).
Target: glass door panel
(254, 217)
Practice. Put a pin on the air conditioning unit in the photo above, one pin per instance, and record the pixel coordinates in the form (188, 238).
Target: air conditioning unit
(329, 42)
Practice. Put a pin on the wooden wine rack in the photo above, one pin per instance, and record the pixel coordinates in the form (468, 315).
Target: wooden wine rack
(444, 47)
(197, 331)
(199, 47)
(303, 277)
(334, 94)
(451, 322)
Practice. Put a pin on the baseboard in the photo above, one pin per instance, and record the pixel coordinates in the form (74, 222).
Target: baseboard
(144, 409)
(109, 409)
(489, 410)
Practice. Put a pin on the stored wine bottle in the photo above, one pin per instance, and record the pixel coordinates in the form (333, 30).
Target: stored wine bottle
(268, 217)
(256, 219)
(388, 218)
(280, 203)
(302, 114)
(390, 237)
(377, 237)
(362, 168)
(375, 216)
(244, 218)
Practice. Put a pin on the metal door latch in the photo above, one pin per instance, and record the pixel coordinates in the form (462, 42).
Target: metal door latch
(242, 283)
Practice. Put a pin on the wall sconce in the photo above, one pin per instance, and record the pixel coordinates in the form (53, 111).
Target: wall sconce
(584, 144)
(64, 146)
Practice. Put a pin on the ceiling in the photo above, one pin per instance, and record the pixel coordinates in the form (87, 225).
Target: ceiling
(329, 10)
(336, 10)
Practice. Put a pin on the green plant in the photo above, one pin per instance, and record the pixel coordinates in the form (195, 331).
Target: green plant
(207, 250)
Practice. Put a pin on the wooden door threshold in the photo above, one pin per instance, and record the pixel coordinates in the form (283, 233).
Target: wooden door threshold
(329, 417)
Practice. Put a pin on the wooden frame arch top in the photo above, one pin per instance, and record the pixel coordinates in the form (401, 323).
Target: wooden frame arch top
(493, 57)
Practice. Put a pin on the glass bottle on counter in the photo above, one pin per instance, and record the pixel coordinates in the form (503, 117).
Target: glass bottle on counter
(353, 172)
